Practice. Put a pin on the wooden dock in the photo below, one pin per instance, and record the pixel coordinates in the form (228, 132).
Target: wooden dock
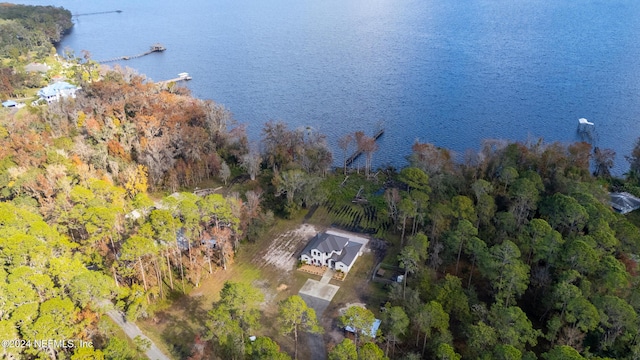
(357, 153)
(205, 192)
(181, 77)
(154, 48)
(99, 13)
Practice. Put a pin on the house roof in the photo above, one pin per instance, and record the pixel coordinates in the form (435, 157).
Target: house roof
(208, 239)
(181, 239)
(372, 332)
(326, 243)
(9, 103)
(36, 67)
(624, 202)
(349, 253)
(56, 88)
(330, 242)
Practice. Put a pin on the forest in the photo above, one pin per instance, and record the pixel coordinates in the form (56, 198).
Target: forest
(27, 33)
(508, 252)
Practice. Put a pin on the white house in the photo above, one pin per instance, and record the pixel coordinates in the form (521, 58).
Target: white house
(58, 90)
(333, 249)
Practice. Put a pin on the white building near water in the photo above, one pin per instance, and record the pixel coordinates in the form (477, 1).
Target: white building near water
(56, 91)
(333, 249)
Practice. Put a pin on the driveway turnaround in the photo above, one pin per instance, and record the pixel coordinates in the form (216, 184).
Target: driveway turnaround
(319, 290)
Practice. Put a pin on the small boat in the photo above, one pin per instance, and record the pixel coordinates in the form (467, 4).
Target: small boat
(583, 121)
(184, 76)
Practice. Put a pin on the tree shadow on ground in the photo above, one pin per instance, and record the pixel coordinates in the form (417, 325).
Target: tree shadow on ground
(182, 328)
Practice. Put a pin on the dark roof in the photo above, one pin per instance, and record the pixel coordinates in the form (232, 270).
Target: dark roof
(349, 253)
(624, 202)
(326, 243)
(330, 242)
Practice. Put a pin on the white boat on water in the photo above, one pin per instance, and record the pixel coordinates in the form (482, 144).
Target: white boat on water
(184, 76)
(583, 121)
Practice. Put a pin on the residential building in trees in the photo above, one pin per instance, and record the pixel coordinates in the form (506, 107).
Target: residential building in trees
(56, 91)
(335, 250)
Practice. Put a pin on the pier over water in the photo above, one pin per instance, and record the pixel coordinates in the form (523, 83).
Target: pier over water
(357, 153)
(98, 13)
(154, 48)
(183, 76)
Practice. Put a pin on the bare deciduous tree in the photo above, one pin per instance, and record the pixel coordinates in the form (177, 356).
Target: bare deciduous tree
(344, 143)
(603, 159)
(225, 172)
(251, 162)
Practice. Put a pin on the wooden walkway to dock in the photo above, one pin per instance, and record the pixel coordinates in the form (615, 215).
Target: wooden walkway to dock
(181, 77)
(154, 48)
(357, 153)
(99, 13)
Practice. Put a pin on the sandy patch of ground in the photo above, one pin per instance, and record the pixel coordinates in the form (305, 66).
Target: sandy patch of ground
(342, 310)
(282, 251)
(267, 291)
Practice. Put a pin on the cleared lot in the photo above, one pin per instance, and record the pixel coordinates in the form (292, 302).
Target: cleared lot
(283, 250)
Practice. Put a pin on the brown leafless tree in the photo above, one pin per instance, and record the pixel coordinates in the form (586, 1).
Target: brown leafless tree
(344, 143)
(251, 162)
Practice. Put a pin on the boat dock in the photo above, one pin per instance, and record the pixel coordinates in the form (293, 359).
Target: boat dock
(154, 48)
(99, 13)
(357, 153)
(183, 76)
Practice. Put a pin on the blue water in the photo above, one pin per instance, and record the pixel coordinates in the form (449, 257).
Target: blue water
(447, 72)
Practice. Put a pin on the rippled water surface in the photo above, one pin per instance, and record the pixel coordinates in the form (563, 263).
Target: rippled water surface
(447, 72)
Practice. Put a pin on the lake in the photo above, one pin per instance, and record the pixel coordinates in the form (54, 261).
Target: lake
(447, 72)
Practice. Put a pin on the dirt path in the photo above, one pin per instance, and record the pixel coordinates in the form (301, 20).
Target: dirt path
(132, 330)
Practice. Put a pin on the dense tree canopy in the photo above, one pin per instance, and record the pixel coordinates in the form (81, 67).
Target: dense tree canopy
(513, 254)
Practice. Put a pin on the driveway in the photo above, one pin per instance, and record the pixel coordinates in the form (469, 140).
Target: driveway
(318, 295)
(132, 330)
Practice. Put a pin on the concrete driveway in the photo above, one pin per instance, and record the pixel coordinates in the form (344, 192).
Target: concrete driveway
(320, 289)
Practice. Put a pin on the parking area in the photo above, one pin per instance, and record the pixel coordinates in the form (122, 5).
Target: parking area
(320, 289)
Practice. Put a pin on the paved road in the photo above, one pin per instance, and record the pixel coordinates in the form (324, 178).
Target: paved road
(132, 330)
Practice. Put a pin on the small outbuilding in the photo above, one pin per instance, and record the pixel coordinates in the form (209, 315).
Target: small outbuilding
(9, 104)
(371, 333)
